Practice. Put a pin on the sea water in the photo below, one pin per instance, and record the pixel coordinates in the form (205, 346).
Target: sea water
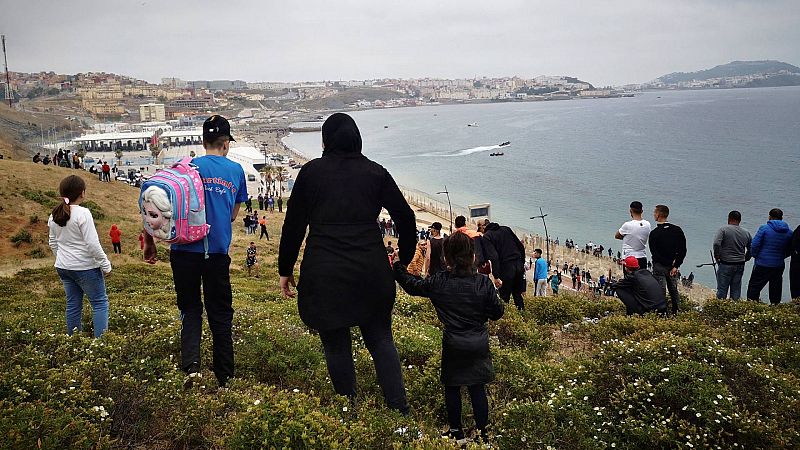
(702, 153)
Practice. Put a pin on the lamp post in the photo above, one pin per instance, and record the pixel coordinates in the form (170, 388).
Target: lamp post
(449, 206)
(542, 215)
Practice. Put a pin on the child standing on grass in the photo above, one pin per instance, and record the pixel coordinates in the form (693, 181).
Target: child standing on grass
(252, 259)
(116, 240)
(464, 300)
(80, 260)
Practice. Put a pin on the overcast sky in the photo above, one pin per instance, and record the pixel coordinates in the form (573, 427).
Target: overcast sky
(603, 42)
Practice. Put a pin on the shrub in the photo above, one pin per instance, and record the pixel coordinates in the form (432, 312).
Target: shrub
(554, 310)
(40, 197)
(95, 209)
(21, 236)
(37, 253)
(33, 220)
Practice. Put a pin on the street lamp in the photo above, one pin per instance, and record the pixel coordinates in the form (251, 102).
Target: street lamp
(542, 215)
(449, 206)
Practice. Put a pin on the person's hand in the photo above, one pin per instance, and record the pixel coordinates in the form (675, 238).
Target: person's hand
(673, 272)
(106, 274)
(395, 257)
(285, 283)
(498, 282)
(150, 251)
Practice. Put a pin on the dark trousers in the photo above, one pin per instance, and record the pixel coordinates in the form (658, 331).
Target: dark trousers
(378, 338)
(264, 232)
(190, 271)
(480, 405)
(760, 277)
(513, 285)
(642, 263)
(794, 277)
(668, 282)
(117, 247)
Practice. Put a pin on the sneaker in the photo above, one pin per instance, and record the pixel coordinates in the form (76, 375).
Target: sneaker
(457, 434)
(191, 379)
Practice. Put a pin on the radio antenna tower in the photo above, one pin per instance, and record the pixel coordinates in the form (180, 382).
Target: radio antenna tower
(8, 80)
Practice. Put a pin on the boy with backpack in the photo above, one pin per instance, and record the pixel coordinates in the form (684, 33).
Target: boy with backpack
(206, 262)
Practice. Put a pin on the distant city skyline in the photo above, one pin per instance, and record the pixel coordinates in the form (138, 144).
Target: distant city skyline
(616, 43)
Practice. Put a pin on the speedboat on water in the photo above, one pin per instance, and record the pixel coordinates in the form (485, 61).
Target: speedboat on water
(473, 124)
(505, 144)
(497, 154)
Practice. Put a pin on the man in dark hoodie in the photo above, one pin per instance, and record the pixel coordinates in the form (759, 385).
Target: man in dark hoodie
(507, 254)
(769, 248)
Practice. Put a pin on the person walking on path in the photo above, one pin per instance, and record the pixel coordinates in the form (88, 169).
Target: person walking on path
(226, 190)
(464, 301)
(639, 290)
(634, 234)
(668, 249)
(81, 262)
(769, 248)
(345, 280)
(794, 269)
(263, 223)
(540, 271)
(731, 249)
(434, 258)
(555, 281)
(507, 255)
(116, 240)
(280, 204)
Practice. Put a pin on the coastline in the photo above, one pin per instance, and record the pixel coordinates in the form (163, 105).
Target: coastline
(428, 209)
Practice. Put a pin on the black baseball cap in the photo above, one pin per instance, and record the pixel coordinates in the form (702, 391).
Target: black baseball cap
(216, 126)
(436, 226)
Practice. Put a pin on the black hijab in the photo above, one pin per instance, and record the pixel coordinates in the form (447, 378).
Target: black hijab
(340, 136)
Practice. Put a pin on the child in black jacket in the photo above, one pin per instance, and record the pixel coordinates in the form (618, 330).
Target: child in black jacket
(464, 301)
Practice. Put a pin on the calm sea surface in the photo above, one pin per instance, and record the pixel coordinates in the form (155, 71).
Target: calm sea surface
(702, 153)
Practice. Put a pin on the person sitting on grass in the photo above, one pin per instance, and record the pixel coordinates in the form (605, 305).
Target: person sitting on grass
(639, 290)
(464, 300)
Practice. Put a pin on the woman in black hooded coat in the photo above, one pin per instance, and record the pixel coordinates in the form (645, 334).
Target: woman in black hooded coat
(345, 278)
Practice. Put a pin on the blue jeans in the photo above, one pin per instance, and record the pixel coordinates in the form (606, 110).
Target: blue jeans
(729, 276)
(91, 283)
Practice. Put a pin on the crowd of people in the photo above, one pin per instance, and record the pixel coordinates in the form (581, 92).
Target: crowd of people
(345, 280)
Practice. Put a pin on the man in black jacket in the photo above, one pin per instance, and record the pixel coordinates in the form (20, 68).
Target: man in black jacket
(668, 248)
(504, 250)
(639, 290)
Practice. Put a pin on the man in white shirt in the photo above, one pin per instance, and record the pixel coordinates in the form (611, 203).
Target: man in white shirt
(634, 234)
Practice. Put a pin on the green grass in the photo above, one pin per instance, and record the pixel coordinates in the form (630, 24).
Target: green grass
(720, 375)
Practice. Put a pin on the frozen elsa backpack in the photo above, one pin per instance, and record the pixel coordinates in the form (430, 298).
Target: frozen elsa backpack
(172, 204)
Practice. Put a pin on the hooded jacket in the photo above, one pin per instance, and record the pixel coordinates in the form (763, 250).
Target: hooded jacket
(344, 278)
(115, 234)
(770, 244)
(503, 248)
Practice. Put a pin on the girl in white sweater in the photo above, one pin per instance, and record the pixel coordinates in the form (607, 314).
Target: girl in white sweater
(81, 262)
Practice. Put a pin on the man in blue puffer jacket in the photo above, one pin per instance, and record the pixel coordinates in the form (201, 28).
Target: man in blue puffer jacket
(769, 248)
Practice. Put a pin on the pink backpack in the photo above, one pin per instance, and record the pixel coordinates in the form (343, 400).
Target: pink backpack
(186, 204)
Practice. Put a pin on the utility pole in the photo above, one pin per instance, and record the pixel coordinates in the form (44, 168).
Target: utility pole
(8, 78)
(449, 206)
(542, 215)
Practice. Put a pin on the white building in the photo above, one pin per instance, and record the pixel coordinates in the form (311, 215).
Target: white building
(152, 112)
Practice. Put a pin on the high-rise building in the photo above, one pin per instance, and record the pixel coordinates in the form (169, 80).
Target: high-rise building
(152, 112)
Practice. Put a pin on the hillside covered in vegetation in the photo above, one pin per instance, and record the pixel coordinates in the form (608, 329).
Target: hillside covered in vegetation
(572, 372)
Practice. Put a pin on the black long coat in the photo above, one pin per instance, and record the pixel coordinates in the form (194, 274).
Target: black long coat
(463, 304)
(345, 276)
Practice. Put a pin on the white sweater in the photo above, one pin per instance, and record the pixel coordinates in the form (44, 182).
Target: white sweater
(76, 245)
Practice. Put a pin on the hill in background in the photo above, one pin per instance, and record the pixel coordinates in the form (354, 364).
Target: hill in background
(732, 69)
(17, 128)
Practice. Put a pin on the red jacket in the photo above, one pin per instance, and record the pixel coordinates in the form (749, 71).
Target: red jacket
(115, 234)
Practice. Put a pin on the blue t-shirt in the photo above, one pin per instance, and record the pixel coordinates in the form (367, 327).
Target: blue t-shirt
(540, 272)
(225, 186)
